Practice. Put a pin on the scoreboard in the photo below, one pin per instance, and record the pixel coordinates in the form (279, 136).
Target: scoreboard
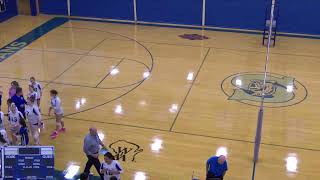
(22, 162)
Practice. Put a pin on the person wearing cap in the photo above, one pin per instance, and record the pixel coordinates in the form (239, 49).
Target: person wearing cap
(91, 147)
(216, 167)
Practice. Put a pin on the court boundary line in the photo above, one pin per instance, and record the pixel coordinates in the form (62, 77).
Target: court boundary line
(213, 47)
(184, 26)
(105, 38)
(189, 90)
(81, 57)
(194, 134)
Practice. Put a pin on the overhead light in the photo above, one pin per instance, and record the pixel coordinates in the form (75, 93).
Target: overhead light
(222, 151)
(118, 109)
(114, 71)
(174, 108)
(156, 145)
(71, 171)
(140, 176)
(292, 163)
(146, 74)
(239, 82)
(190, 76)
(290, 88)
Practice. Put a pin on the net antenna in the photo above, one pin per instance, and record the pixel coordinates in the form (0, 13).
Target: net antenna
(261, 110)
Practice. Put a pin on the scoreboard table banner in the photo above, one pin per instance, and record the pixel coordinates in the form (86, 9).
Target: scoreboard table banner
(27, 162)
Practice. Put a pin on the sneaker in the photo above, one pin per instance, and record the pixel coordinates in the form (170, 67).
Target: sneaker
(62, 130)
(54, 135)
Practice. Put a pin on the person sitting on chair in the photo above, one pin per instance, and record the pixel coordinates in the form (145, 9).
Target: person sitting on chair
(216, 167)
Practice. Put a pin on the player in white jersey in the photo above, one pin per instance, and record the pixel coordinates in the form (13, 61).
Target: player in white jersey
(37, 88)
(32, 92)
(111, 168)
(1, 120)
(34, 117)
(3, 132)
(58, 111)
(14, 118)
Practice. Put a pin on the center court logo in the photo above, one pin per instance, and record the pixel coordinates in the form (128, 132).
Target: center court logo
(125, 150)
(280, 90)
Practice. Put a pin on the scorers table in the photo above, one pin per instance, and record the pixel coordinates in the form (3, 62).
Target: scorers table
(24, 162)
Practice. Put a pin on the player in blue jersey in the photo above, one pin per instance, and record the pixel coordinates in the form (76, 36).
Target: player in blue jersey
(19, 100)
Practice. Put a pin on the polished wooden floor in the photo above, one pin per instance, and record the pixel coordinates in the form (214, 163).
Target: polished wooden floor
(192, 119)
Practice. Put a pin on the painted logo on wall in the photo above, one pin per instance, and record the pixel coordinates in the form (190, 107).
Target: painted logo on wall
(125, 150)
(193, 37)
(279, 91)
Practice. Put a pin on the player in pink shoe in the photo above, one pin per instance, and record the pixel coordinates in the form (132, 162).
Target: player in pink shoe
(58, 111)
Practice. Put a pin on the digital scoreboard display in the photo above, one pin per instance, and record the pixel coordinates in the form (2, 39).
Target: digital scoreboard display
(27, 162)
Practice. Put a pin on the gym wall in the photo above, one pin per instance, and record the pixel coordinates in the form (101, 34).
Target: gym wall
(295, 16)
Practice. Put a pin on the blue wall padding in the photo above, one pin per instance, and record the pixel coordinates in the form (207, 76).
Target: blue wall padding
(11, 10)
(295, 16)
(110, 9)
(55, 7)
(33, 7)
(298, 16)
(170, 11)
(242, 14)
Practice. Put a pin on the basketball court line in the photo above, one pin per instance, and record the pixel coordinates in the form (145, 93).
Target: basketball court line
(275, 145)
(212, 47)
(180, 108)
(83, 56)
(230, 49)
(189, 90)
(192, 134)
(217, 29)
(115, 66)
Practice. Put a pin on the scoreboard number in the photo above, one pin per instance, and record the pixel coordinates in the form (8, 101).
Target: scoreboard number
(34, 162)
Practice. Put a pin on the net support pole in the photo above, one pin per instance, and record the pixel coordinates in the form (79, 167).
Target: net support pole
(203, 13)
(135, 11)
(69, 8)
(261, 110)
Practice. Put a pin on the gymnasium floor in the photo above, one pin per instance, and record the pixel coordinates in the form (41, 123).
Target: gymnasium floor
(131, 82)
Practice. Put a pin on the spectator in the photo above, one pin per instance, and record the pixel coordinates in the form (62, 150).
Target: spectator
(216, 167)
(91, 149)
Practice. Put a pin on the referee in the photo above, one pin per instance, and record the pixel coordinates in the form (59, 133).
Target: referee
(91, 149)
